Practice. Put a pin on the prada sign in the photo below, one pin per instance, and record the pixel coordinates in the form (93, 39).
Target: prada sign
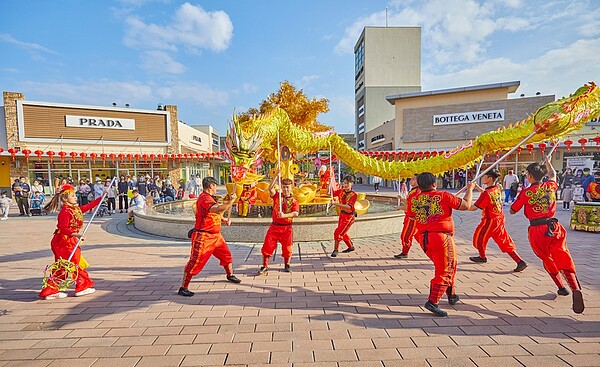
(100, 122)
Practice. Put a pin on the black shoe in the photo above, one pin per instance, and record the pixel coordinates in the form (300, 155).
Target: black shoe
(334, 254)
(349, 249)
(563, 291)
(120, 211)
(185, 292)
(233, 279)
(520, 266)
(435, 309)
(578, 305)
(21, 215)
(287, 268)
(263, 270)
(477, 259)
(453, 299)
(401, 256)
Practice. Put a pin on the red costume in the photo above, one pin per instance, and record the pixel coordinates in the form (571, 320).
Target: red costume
(207, 240)
(409, 227)
(247, 198)
(70, 222)
(432, 211)
(548, 238)
(280, 230)
(594, 190)
(346, 218)
(492, 224)
(324, 178)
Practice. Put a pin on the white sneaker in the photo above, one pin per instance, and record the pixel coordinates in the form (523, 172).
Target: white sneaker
(56, 296)
(113, 212)
(84, 292)
(3, 218)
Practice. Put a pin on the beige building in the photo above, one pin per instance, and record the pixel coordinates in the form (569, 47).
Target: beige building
(387, 60)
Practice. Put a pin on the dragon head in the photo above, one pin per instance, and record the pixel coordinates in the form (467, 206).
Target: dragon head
(243, 151)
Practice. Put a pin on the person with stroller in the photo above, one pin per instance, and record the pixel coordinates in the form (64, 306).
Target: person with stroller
(36, 203)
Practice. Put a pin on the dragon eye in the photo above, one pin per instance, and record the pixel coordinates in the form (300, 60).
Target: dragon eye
(234, 149)
(251, 153)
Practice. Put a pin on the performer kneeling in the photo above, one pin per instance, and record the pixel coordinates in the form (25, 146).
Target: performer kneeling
(432, 210)
(409, 229)
(345, 200)
(492, 222)
(66, 235)
(548, 238)
(206, 236)
(281, 225)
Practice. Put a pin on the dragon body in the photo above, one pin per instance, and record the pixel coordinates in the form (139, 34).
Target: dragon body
(245, 143)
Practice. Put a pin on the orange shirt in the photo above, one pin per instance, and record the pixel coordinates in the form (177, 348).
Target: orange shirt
(290, 204)
(346, 198)
(490, 202)
(205, 220)
(539, 200)
(432, 211)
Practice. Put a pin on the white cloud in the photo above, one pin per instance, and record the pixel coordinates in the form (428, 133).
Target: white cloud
(191, 27)
(5, 37)
(306, 80)
(198, 93)
(160, 62)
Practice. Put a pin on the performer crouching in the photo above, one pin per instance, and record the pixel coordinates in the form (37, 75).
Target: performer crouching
(432, 211)
(206, 237)
(548, 238)
(492, 222)
(409, 228)
(345, 199)
(66, 235)
(281, 225)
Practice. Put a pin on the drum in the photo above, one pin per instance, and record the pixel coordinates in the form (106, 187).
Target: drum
(586, 217)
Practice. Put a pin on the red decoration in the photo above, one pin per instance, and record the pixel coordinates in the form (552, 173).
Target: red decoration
(13, 153)
(1, 149)
(94, 156)
(519, 149)
(121, 157)
(73, 156)
(173, 157)
(145, 157)
(112, 157)
(160, 157)
(568, 143)
(27, 153)
(596, 140)
(83, 155)
(152, 157)
(62, 155)
(582, 141)
(103, 156)
(179, 156)
(529, 148)
(542, 147)
(39, 154)
(137, 157)
(50, 155)
(129, 157)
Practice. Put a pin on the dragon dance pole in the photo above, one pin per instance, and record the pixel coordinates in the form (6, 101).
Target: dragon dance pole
(90, 221)
(476, 173)
(279, 173)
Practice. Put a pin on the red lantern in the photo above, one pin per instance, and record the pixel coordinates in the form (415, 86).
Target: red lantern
(582, 141)
(121, 157)
(137, 157)
(103, 156)
(173, 157)
(596, 140)
(568, 143)
(152, 157)
(39, 154)
(1, 149)
(83, 155)
(129, 157)
(27, 153)
(13, 153)
(50, 155)
(73, 156)
(145, 157)
(519, 149)
(179, 156)
(542, 147)
(160, 157)
(112, 157)
(529, 148)
(62, 155)
(94, 156)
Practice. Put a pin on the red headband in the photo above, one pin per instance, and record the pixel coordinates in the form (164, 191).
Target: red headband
(66, 187)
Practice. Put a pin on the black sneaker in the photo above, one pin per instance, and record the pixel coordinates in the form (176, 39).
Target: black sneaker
(185, 292)
(334, 254)
(578, 305)
(435, 309)
(349, 249)
(401, 256)
(287, 268)
(233, 279)
(263, 270)
(520, 266)
(563, 291)
(477, 259)
(453, 299)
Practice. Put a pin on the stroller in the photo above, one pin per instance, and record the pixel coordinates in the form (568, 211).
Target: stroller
(37, 203)
(103, 209)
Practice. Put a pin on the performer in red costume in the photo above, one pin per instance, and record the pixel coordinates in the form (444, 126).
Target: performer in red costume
(280, 229)
(409, 228)
(247, 198)
(593, 190)
(548, 238)
(324, 178)
(432, 211)
(206, 236)
(345, 199)
(492, 222)
(66, 235)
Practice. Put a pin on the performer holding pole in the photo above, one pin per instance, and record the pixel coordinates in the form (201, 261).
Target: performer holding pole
(66, 240)
(345, 198)
(409, 228)
(548, 238)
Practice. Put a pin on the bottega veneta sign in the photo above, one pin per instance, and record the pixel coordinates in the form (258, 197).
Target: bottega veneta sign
(100, 122)
(468, 117)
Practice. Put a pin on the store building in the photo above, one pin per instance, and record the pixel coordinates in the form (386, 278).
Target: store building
(50, 141)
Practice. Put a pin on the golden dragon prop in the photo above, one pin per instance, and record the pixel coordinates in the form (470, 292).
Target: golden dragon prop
(245, 142)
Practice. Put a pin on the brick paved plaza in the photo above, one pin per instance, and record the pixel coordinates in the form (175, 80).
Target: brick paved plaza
(359, 309)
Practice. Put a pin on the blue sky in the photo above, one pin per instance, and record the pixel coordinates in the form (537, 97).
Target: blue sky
(211, 57)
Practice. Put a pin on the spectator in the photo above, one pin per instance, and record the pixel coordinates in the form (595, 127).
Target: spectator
(98, 188)
(21, 192)
(507, 184)
(192, 185)
(122, 188)
(83, 190)
(4, 205)
(142, 187)
(578, 179)
(168, 193)
(567, 196)
(587, 180)
(111, 196)
(136, 204)
(36, 202)
(376, 182)
(578, 193)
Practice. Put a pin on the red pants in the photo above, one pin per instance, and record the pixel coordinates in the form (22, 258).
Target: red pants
(442, 251)
(552, 250)
(281, 234)
(203, 246)
(492, 228)
(62, 246)
(409, 230)
(341, 232)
